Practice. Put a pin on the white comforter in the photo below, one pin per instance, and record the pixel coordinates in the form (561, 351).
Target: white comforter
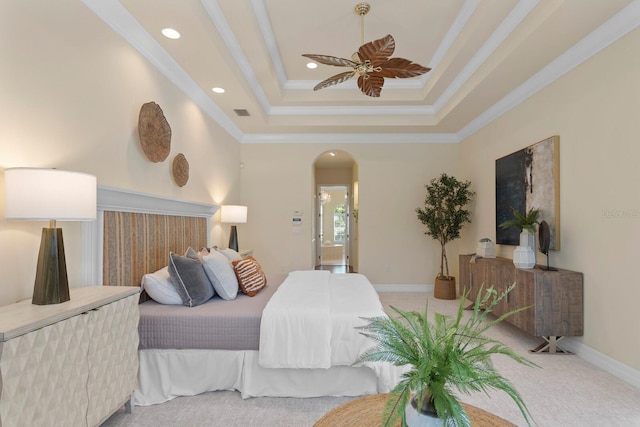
(310, 321)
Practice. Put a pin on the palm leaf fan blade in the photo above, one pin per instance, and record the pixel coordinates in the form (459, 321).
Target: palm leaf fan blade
(401, 68)
(371, 84)
(377, 51)
(331, 60)
(334, 80)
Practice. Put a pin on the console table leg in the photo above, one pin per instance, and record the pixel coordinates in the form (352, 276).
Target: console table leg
(550, 345)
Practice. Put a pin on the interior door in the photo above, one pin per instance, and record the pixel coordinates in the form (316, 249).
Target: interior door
(333, 237)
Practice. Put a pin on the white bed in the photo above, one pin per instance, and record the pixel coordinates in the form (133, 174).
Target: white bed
(166, 373)
(308, 344)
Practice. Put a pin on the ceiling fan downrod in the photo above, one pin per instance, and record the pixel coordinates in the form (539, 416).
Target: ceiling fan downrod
(362, 9)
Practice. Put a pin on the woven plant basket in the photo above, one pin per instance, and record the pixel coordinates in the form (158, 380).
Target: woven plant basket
(445, 289)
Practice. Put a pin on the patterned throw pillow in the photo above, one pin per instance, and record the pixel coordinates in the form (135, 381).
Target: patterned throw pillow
(250, 276)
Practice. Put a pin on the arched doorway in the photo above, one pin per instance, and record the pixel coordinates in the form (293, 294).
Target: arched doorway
(335, 243)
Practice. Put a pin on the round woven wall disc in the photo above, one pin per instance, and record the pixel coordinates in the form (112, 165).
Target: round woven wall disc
(180, 170)
(154, 132)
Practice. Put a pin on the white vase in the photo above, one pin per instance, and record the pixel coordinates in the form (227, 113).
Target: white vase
(421, 419)
(528, 238)
(525, 255)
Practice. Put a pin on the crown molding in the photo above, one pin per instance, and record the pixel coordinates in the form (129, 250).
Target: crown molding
(221, 24)
(517, 14)
(620, 24)
(351, 138)
(121, 21)
(378, 110)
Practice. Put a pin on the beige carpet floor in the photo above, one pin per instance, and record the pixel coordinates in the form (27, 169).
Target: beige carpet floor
(564, 391)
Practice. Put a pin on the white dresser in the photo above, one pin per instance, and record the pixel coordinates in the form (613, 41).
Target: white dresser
(69, 364)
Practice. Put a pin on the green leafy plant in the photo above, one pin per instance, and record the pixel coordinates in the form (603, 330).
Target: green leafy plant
(523, 222)
(445, 213)
(443, 355)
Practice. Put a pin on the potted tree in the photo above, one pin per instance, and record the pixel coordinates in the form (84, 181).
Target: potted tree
(524, 255)
(444, 214)
(442, 356)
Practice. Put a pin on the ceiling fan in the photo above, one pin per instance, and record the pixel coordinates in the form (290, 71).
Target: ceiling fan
(371, 62)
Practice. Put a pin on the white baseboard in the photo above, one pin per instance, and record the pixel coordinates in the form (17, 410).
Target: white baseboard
(403, 288)
(602, 361)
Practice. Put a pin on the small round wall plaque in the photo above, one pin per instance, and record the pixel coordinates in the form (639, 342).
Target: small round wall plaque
(180, 169)
(154, 132)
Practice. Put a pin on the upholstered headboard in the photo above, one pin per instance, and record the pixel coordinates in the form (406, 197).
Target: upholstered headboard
(134, 233)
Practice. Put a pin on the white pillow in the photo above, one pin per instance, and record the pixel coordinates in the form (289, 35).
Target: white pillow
(160, 288)
(230, 254)
(218, 269)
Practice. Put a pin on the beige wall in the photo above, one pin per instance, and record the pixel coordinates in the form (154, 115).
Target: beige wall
(71, 101)
(594, 109)
(391, 185)
(334, 176)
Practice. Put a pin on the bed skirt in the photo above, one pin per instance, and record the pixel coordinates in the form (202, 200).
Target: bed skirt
(167, 374)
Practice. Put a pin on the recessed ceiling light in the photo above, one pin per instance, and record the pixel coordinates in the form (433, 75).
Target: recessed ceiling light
(332, 154)
(218, 90)
(312, 65)
(170, 33)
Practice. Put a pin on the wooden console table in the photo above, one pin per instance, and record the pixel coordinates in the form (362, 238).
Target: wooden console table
(367, 412)
(556, 297)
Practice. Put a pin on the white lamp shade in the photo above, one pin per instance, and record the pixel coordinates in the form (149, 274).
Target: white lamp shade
(49, 194)
(233, 214)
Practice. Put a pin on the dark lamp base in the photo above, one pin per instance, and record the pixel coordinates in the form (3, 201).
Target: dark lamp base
(233, 239)
(51, 285)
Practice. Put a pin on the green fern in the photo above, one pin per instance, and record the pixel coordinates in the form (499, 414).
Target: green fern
(523, 222)
(445, 355)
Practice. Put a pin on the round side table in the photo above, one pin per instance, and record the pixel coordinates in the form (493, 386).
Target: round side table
(367, 412)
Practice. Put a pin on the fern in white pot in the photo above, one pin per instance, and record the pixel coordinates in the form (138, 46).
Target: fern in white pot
(445, 355)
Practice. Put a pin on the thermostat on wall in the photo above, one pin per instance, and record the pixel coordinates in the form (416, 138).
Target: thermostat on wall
(297, 224)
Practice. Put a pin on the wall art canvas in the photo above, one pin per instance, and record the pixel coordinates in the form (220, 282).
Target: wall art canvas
(526, 179)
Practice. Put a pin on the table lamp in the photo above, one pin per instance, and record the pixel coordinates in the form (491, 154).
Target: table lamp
(233, 214)
(50, 195)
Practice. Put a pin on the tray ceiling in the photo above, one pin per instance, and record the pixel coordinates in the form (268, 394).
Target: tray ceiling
(486, 56)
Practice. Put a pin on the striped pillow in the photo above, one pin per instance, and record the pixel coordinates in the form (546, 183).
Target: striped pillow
(250, 276)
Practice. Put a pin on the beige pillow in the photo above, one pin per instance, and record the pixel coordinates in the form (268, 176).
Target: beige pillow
(250, 276)
(230, 254)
